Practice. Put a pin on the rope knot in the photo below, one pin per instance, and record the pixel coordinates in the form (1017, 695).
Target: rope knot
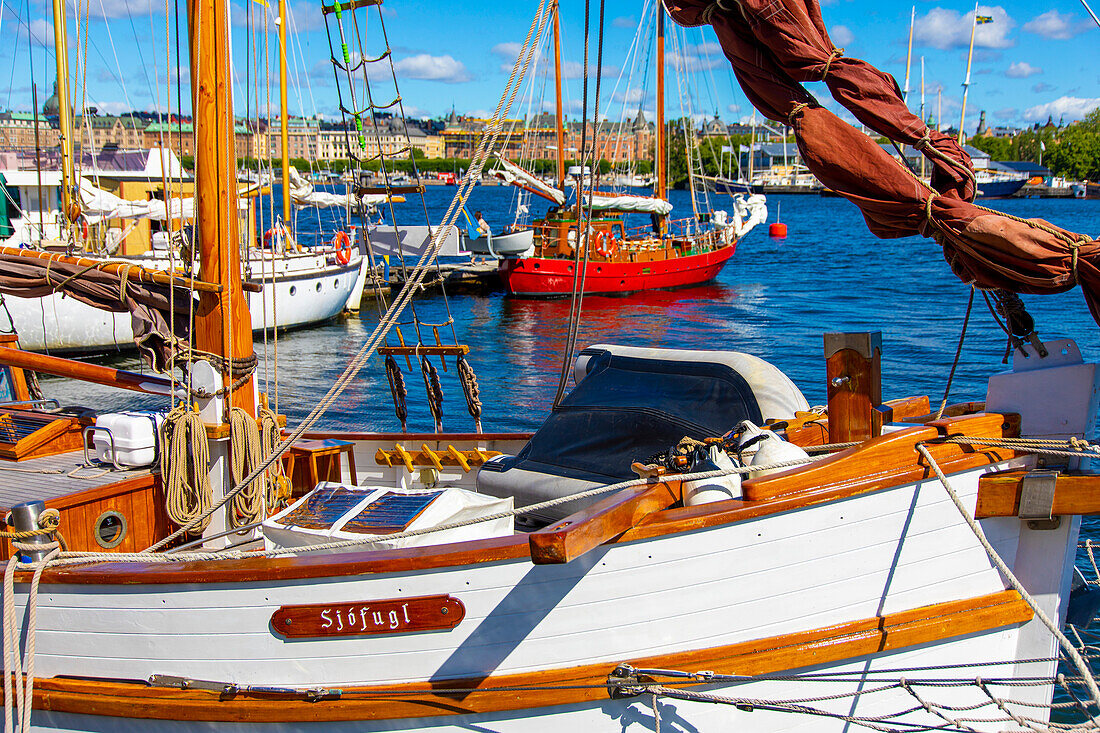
(924, 142)
(794, 113)
(837, 53)
(714, 7)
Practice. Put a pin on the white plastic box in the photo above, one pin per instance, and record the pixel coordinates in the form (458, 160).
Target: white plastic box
(135, 437)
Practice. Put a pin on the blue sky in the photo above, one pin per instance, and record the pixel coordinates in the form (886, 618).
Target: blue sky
(1034, 60)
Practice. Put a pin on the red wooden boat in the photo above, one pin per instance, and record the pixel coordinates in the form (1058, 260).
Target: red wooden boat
(616, 264)
(612, 259)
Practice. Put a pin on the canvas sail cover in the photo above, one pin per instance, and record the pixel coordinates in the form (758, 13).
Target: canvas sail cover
(516, 176)
(303, 194)
(776, 45)
(98, 205)
(628, 203)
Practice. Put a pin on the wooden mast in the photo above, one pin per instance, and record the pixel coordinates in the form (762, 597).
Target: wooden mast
(661, 188)
(909, 55)
(64, 116)
(223, 325)
(559, 120)
(284, 133)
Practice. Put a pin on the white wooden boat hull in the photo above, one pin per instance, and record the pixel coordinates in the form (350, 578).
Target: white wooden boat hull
(780, 574)
(305, 290)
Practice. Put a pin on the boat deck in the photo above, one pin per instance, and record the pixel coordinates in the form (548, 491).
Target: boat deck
(51, 477)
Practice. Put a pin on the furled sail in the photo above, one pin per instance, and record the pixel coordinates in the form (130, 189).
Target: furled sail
(516, 176)
(98, 205)
(303, 194)
(628, 203)
(773, 45)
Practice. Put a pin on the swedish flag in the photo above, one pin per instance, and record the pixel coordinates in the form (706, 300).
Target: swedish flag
(983, 19)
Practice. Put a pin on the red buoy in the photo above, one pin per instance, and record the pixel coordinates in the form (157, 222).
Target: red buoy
(777, 230)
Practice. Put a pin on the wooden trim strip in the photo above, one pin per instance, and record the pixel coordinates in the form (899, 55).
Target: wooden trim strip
(999, 495)
(928, 624)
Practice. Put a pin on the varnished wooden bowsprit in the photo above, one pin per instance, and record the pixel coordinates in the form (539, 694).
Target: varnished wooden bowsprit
(389, 616)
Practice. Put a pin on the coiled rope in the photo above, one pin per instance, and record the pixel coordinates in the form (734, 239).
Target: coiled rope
(184, 460)
(245, 452)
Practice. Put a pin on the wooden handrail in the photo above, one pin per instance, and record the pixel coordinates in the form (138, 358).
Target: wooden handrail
(999, 494)
(133, 271)
(147, 383)
(570, 538)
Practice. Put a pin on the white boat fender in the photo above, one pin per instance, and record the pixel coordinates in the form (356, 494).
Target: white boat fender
(770, 448)
(721, 488)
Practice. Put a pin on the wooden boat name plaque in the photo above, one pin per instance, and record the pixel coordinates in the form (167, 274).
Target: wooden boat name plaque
(389, 616)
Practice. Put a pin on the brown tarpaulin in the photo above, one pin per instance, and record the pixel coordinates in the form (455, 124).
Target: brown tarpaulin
(147, 303)
(775, 45)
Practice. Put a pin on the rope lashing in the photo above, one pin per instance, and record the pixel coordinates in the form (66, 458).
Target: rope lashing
(714, 7)
(794, 113)
(837, 53)
(470, 389)
(184, 459)
(398, 389)
(434, 391)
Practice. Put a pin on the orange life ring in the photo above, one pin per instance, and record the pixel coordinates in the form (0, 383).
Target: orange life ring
(606, 245)
(269, 237)
(341, 242)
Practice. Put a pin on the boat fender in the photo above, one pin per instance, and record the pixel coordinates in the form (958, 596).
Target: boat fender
(721, 488)
(341, 242)
(770, 448)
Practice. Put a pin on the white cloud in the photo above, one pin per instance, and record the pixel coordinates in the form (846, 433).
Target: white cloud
(944, 28)
(841, 35)
(1074, 108)
(632, 96)
(1022, 70)
(1043, 87)
(574, 70)
(432, 68)
(122, 8)
(625, 21)
(42, 32)
(1055, 25)
(508, 50)
(734, 109)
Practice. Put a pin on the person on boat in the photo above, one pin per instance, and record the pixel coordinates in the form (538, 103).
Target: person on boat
(483, 228)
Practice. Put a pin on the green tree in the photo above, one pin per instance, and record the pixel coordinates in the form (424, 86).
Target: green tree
(1077, 152)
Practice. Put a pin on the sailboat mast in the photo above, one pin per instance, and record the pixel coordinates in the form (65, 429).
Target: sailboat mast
(223, 325)
(966, 82)
(64, 117)
(661, 189)
(284, 134)
(909, 56)
(559, 121)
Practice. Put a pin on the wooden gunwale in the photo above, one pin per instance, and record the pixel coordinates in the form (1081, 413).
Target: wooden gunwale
(493, 693)
(848, 476)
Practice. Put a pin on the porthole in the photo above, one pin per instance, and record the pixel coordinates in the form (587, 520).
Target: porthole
(293, 289)
(336, 284)
(110, 529)
(318, 287)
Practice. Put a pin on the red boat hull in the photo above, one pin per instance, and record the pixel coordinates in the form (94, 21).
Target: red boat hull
(544, 277)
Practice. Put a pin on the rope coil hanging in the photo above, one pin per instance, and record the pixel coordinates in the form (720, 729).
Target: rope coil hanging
(398, 390)
(434, 391)
(184, 459)
(470, 390)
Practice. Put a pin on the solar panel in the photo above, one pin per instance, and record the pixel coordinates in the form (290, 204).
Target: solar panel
(390, 513)
(323, 507)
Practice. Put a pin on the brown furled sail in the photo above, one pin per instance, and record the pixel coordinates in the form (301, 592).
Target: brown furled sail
(775, 45)
(148, 303)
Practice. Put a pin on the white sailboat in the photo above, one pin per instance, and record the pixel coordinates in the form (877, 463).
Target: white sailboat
(879, 564)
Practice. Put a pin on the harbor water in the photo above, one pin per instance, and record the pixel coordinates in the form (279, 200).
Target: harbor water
(774, 299)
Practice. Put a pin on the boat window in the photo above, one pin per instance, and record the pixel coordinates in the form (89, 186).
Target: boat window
(7, 391)
(110, 529)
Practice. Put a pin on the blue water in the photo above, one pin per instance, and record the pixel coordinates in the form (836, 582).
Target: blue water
(775, 299)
